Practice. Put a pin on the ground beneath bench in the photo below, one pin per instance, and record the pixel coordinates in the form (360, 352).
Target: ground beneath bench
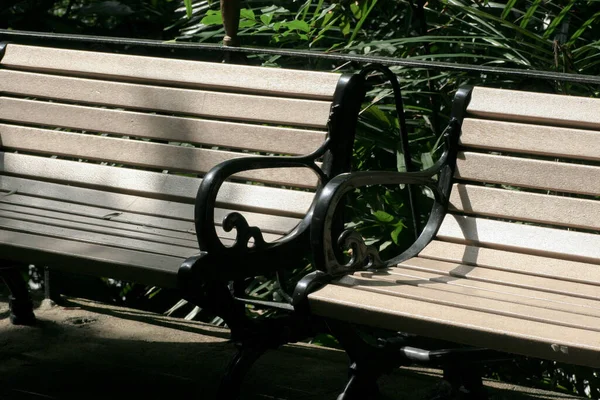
(94, 351)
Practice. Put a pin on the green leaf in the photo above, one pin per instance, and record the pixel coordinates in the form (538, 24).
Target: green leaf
(266, 18)
(212, 18)
(247, 24)
(188, 8)
(299, 25)
(396, 232)
(507, 9)
(382, 216)
(248, 14)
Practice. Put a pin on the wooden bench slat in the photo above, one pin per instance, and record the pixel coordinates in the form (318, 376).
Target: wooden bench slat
(514, 262)
(141, 153)
(183, 237)
(311, 113)
(161, 186)
(97, 238)
(524, 206)
(547, 175)
(475, 328)
(271, 81)
(546, 109)
(536, 240)
(151, 213)
(530, 139)
(84, 224)
(162, 127)
(532, 297)
(148, 268)
(503, 277)
(469, 300)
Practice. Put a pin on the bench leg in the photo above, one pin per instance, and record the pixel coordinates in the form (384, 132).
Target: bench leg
(231, 384)
(362, 385)
(467, 380)
(21, 306)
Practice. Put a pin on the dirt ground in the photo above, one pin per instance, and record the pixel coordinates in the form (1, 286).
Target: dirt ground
(94, 351)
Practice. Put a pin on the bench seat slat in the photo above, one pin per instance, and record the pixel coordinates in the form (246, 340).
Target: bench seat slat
(530, 139)
(185, 237)
(151, 184)
(503, 277)
(532, 297)
(310, 113)
(271, 81)
(161, 127)
(106, 239)
(536, 240)
(475, 328)
(91, 258)
(141, 153)
(524, 206)
(546, 175)
(513, 262)
(152, 213)
(470, 300)
(540, 108)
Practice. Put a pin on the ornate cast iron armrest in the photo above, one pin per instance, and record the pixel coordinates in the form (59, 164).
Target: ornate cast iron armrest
(221, 263)
(326, 249)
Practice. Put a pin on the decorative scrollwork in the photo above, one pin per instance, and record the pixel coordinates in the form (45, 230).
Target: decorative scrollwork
(244, 232)
(361, 255)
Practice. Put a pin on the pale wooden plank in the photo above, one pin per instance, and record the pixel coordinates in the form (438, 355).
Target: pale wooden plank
(524, 206)
(536, 240)
(530, 139)
(460, 270)
(470, 327)
(96, 238)
(151, 213)
(563, 270)
(546, 175)
(162, 127)
(231, 77)
(470, 301)
(142, 153)
(311, 113)
(532, 297)
(89, 258)
(109, 220)
(161, 186)
(542, 108)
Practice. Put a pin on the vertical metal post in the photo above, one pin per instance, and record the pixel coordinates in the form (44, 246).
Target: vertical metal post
(230, 10)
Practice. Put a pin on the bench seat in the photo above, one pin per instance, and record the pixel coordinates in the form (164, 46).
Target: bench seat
(513, 261)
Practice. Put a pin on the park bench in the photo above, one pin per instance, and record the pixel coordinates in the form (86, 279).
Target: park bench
(509, 260)
(103, 155)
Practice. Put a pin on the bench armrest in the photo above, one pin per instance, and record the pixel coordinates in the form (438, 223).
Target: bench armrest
(327, 249)
(222, 263)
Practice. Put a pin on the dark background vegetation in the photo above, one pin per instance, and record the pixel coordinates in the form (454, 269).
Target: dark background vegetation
(559, 35)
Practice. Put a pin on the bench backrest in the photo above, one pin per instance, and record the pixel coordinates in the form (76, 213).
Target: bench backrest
(527, 180)
(175, 119)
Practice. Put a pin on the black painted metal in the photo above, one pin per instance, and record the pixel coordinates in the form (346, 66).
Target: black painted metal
(326, 252)
(2, 49)
(21, 307)
(168, 47)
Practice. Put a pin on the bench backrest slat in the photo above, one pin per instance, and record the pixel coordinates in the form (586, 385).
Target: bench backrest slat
(182, 73)
(265, 109)
(141, 153)
(527, 159)
(155, 185)
(162, 127)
